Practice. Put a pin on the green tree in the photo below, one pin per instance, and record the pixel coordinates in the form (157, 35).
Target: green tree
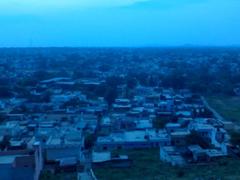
(89, 141)
(5, 143)
(111, 95)
(131, 83)
(159, 123)
(235, 138)
(195, 138)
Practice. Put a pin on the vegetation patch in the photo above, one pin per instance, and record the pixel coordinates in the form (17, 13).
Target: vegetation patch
(227, 106)
(147, 165)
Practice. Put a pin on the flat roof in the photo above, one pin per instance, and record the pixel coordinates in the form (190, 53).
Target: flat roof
(9, 159)
(180, 133)
(134, 136)
(101, 156)
(173, 125)
(55, 79)
(203, 127)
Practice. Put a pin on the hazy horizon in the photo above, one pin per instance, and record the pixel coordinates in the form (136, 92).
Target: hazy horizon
(119, 23)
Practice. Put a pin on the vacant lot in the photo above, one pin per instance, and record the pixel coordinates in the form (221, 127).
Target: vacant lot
(147, 166)
(227, 106)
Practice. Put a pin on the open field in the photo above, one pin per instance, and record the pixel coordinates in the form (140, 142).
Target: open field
(147, 166)
(227, 106)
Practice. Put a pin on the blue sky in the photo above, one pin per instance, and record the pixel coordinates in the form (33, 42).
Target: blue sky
(119, 22)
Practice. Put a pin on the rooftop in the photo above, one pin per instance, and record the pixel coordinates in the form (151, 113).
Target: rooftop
(134, 136)
(101, 156)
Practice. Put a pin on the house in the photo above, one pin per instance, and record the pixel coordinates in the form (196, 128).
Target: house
(137, 112)
(153, 98)
(68, 164)
(165, 106)
(133, 140)
(179, 138)
(88, 84)
(197, 153)
(143, 91)
(186, 93)
(184, 122)
(214, 154)
(204, 130)
(121, 105)
(165, 109)
(99, 157)
(2, 105)
(178, 99)
(184, 114)
(228, 125)
(170, 155)
(24, 164)
(167, 93)
(55, 80)
(149, 108)
(62, 98)
(11, 128)
(10, 170)
(215, 136)
(171, 127)
(204, 155)
(138, 100)
(143, 124)
(17, 144)
(15, 117)
(105, 126)
(106, 159)
(69, 145)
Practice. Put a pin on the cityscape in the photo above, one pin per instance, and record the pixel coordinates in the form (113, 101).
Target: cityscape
(119, 90)
(134, 111)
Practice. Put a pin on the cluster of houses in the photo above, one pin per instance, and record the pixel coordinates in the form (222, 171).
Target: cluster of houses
(50, 135)
(37, 136)
(177, 123)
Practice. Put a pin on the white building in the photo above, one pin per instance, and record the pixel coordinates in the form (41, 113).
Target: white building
(133, 139)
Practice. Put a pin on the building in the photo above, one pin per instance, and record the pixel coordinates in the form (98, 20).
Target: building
(171, 155)
(69, 145)
(133, 139)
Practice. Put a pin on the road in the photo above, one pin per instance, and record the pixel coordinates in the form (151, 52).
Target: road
(215, 113)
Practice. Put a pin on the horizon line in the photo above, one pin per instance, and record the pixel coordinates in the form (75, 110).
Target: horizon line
(140, 46)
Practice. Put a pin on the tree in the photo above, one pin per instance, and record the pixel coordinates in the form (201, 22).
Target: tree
(41, 75)
(89, 141)
(111, 95)
(160, 123)
(5, 92)
(235, 138)
(74, 102)
(195, 138)
(142, 78)
(46, 96)
(131, 83)
(100, 90)
(104, 67)
(2, 118)
(114, 81)
(5, 143)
